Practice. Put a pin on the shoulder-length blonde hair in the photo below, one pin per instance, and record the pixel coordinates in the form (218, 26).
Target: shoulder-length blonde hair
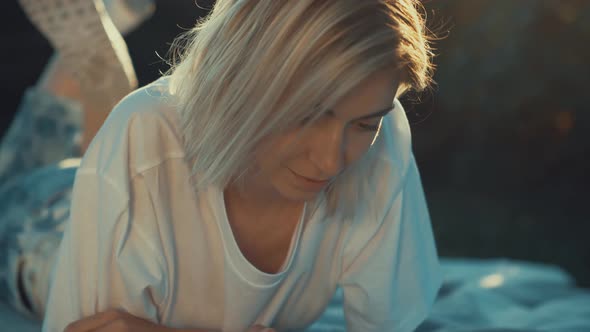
(254, 67)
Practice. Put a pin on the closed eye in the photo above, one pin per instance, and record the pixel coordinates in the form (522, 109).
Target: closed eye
(369, 126)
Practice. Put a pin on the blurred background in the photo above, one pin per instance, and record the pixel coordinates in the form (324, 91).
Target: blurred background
(503, 140)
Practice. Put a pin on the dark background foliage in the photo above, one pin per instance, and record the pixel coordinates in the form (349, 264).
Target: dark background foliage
(502, 141)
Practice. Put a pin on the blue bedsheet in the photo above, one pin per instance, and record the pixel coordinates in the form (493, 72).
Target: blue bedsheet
(496, 295)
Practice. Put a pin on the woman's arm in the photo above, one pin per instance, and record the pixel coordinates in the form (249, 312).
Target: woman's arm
(391, 281)
(108, 258)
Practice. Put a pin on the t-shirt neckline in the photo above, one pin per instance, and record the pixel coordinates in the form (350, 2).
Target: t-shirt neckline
(236, 259)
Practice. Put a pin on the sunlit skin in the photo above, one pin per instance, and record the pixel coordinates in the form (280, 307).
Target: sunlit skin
(324, 149)
(264, 216)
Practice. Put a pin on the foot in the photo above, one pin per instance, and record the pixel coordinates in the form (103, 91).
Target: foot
(88, 44)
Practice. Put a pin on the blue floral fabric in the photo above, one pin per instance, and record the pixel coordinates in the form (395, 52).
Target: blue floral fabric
(36, 177)
(45, 130)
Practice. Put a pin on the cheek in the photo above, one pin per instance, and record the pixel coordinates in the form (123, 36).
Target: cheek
(276, 150)
(357, 146)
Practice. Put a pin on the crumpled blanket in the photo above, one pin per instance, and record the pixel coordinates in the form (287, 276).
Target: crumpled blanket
(495, 295)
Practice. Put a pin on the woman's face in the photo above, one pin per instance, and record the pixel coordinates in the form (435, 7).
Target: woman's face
(297, 164)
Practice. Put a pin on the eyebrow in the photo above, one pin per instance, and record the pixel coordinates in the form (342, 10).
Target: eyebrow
(377, 114)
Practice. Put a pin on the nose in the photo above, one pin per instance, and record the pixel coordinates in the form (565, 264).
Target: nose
(327, 153)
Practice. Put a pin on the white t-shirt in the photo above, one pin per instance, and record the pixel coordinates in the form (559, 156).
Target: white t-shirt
(141, 239)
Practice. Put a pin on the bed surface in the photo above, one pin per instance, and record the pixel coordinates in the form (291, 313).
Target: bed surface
(477, 296)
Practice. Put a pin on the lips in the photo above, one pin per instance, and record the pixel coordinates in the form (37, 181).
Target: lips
(313, 180)
(308, 178)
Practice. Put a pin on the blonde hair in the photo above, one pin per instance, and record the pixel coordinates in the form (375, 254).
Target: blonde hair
(252, 68)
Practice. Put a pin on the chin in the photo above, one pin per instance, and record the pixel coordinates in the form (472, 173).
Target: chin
(296, 195)
(287, 188)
